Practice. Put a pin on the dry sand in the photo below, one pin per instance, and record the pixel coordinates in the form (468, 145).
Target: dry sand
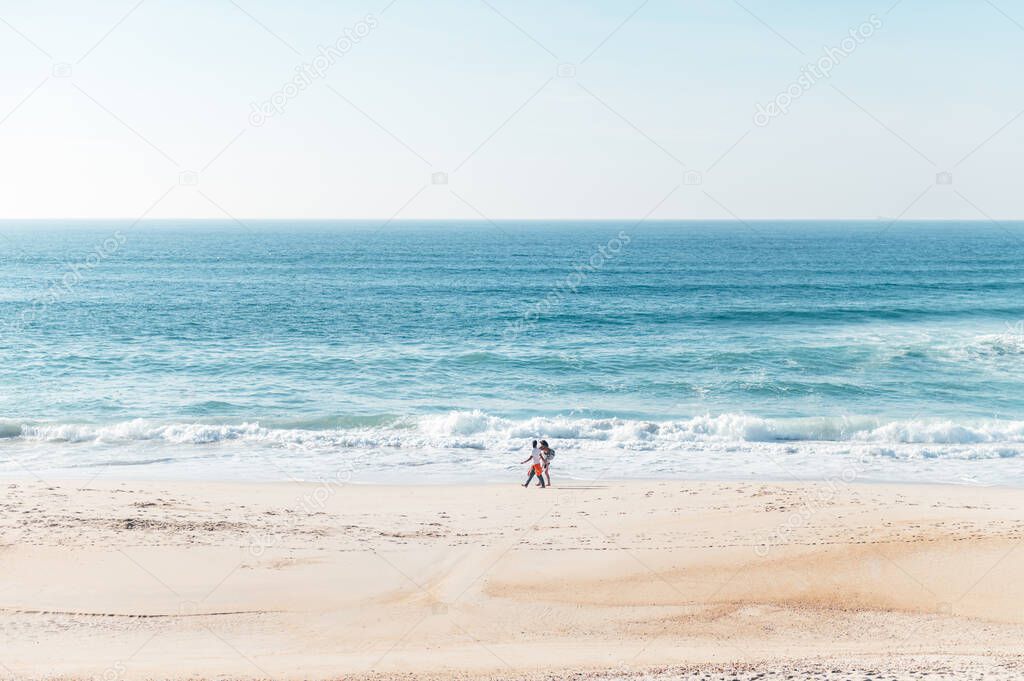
(661, 580)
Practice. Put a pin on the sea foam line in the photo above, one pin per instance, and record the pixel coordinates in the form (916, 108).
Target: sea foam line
(480, 430)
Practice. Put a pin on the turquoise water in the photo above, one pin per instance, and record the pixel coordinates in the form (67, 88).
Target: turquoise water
(431, 351)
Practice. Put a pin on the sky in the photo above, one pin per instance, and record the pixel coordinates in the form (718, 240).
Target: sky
(494, 109)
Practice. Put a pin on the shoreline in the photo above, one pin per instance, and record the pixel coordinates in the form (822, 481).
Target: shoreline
(462, 445)
(179, 579)
(563, 481)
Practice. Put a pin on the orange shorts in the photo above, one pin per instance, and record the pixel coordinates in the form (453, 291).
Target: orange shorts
(538, 469)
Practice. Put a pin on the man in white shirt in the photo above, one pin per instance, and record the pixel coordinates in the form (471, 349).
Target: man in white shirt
(537, 467)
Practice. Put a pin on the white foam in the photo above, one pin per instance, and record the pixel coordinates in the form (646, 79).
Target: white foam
(479, 430)
(477, 446)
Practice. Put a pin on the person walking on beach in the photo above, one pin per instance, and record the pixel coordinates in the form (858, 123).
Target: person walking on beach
(536, 468)
(548, 455)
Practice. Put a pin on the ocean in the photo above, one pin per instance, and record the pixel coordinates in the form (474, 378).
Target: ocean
(433, 352)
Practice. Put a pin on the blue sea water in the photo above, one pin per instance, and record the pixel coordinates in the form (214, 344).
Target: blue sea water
(433, 351)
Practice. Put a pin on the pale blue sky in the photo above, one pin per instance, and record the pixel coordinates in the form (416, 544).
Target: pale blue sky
(471, 88)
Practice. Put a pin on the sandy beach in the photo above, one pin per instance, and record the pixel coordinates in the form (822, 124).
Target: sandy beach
(606, 580)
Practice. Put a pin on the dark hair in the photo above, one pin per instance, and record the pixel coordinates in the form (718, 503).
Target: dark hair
(534, 443)
(543, 443)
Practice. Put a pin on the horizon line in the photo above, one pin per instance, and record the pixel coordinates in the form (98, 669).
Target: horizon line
(387, 221)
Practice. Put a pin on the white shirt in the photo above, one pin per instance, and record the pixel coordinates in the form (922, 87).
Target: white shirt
(537, 458)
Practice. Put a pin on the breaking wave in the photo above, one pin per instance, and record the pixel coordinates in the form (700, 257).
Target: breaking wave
(480, 430)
